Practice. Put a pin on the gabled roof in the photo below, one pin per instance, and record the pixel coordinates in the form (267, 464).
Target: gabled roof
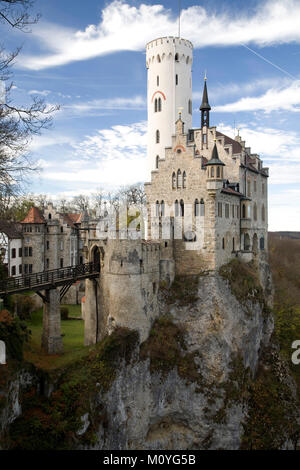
(34, 216)
(11, 229)
(236, 146)
(72, 219)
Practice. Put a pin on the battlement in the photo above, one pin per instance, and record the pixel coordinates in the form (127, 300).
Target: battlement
(163, 49)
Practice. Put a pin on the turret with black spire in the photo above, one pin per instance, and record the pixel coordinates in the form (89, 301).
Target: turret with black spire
(205, 108)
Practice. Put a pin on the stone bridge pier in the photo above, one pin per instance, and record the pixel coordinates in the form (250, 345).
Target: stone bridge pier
(51, 337)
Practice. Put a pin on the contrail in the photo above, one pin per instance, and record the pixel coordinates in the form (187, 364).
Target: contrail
(271, 63)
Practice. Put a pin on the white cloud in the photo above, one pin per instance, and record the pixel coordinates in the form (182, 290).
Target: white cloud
(47, 140)
(109, 158)
(124, 27)
(287, 98)
(38, 92)
(86, 107)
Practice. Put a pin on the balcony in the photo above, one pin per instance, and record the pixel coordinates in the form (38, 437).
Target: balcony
(246, 223)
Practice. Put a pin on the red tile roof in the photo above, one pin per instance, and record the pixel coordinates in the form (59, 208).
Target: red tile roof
(72, 219)
(236, 146)
(231, 191)
(34, 216)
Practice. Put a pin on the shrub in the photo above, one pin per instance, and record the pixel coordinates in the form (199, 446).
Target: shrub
(24, 305)
(14, 333)
(64, 313)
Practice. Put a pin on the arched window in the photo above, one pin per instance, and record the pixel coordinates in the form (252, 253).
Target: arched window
(49, 216)
(190, 106)
(156, 161)
(212, 172)
(179, 179)
(263, 215)
(248, 188)
(155, 105)
(157, 80)
(181, 207)
(262, 243)
(176, 79)
(162, 208)
(176, 57)
(244, 211)
(255, 211)
(218, 172)
(223, 243)
(159, 105)
(157, 209)
(202, 208)
(158, 58)
(157, 136)
(173, 180)
(196, 208)
(176, 208)
(246, 242)
(184, 180)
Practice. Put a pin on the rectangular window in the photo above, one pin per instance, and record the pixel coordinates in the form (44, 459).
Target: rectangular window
(47, 263)
(13, 253)
(26, 268)
(30, 251)
(20, 269)
(26, 251)
(219, 209)
(13, 271)
(227, 211)
(61, 262)
(30, 268)
(20, 252)
(47, 245)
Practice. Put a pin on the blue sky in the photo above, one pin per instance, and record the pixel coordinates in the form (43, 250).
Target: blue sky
(89, 57)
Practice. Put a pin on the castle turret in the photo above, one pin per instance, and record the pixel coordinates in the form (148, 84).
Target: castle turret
(169, 64)
(214, 168)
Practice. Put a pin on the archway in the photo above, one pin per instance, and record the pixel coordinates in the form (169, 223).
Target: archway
(96, 257)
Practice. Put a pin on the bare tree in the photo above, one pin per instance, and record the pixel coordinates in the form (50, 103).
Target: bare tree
(17, 13)
(18, 123)
(81, 202)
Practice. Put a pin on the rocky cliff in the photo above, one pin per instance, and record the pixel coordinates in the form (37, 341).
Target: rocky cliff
(208, 377)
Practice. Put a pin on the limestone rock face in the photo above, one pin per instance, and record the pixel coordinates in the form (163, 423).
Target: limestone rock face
(154, 411)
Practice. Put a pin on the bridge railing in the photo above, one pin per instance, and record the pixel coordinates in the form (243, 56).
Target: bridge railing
(48, 277)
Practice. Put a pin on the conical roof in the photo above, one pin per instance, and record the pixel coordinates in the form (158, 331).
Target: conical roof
(215, 158)
(205, 104)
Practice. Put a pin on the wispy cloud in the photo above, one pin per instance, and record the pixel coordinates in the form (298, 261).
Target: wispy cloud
(110, 158)
(125, 27)
(286, 98)
(86, 107)
(39, 92)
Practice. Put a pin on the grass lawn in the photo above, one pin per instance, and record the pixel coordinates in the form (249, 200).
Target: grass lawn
(73, 331)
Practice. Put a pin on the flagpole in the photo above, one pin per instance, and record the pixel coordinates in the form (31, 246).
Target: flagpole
(179, 12)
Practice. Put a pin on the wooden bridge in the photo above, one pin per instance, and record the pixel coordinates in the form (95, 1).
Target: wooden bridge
(49, 279)
(49, 282)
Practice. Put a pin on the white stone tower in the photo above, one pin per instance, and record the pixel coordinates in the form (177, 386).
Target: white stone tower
(169, 63)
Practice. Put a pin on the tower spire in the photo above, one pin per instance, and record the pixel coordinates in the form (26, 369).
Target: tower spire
(205, 107)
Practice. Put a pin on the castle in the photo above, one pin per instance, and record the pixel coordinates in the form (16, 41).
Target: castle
(206, 204)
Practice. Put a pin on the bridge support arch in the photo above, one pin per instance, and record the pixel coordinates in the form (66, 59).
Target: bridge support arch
(51, 338)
